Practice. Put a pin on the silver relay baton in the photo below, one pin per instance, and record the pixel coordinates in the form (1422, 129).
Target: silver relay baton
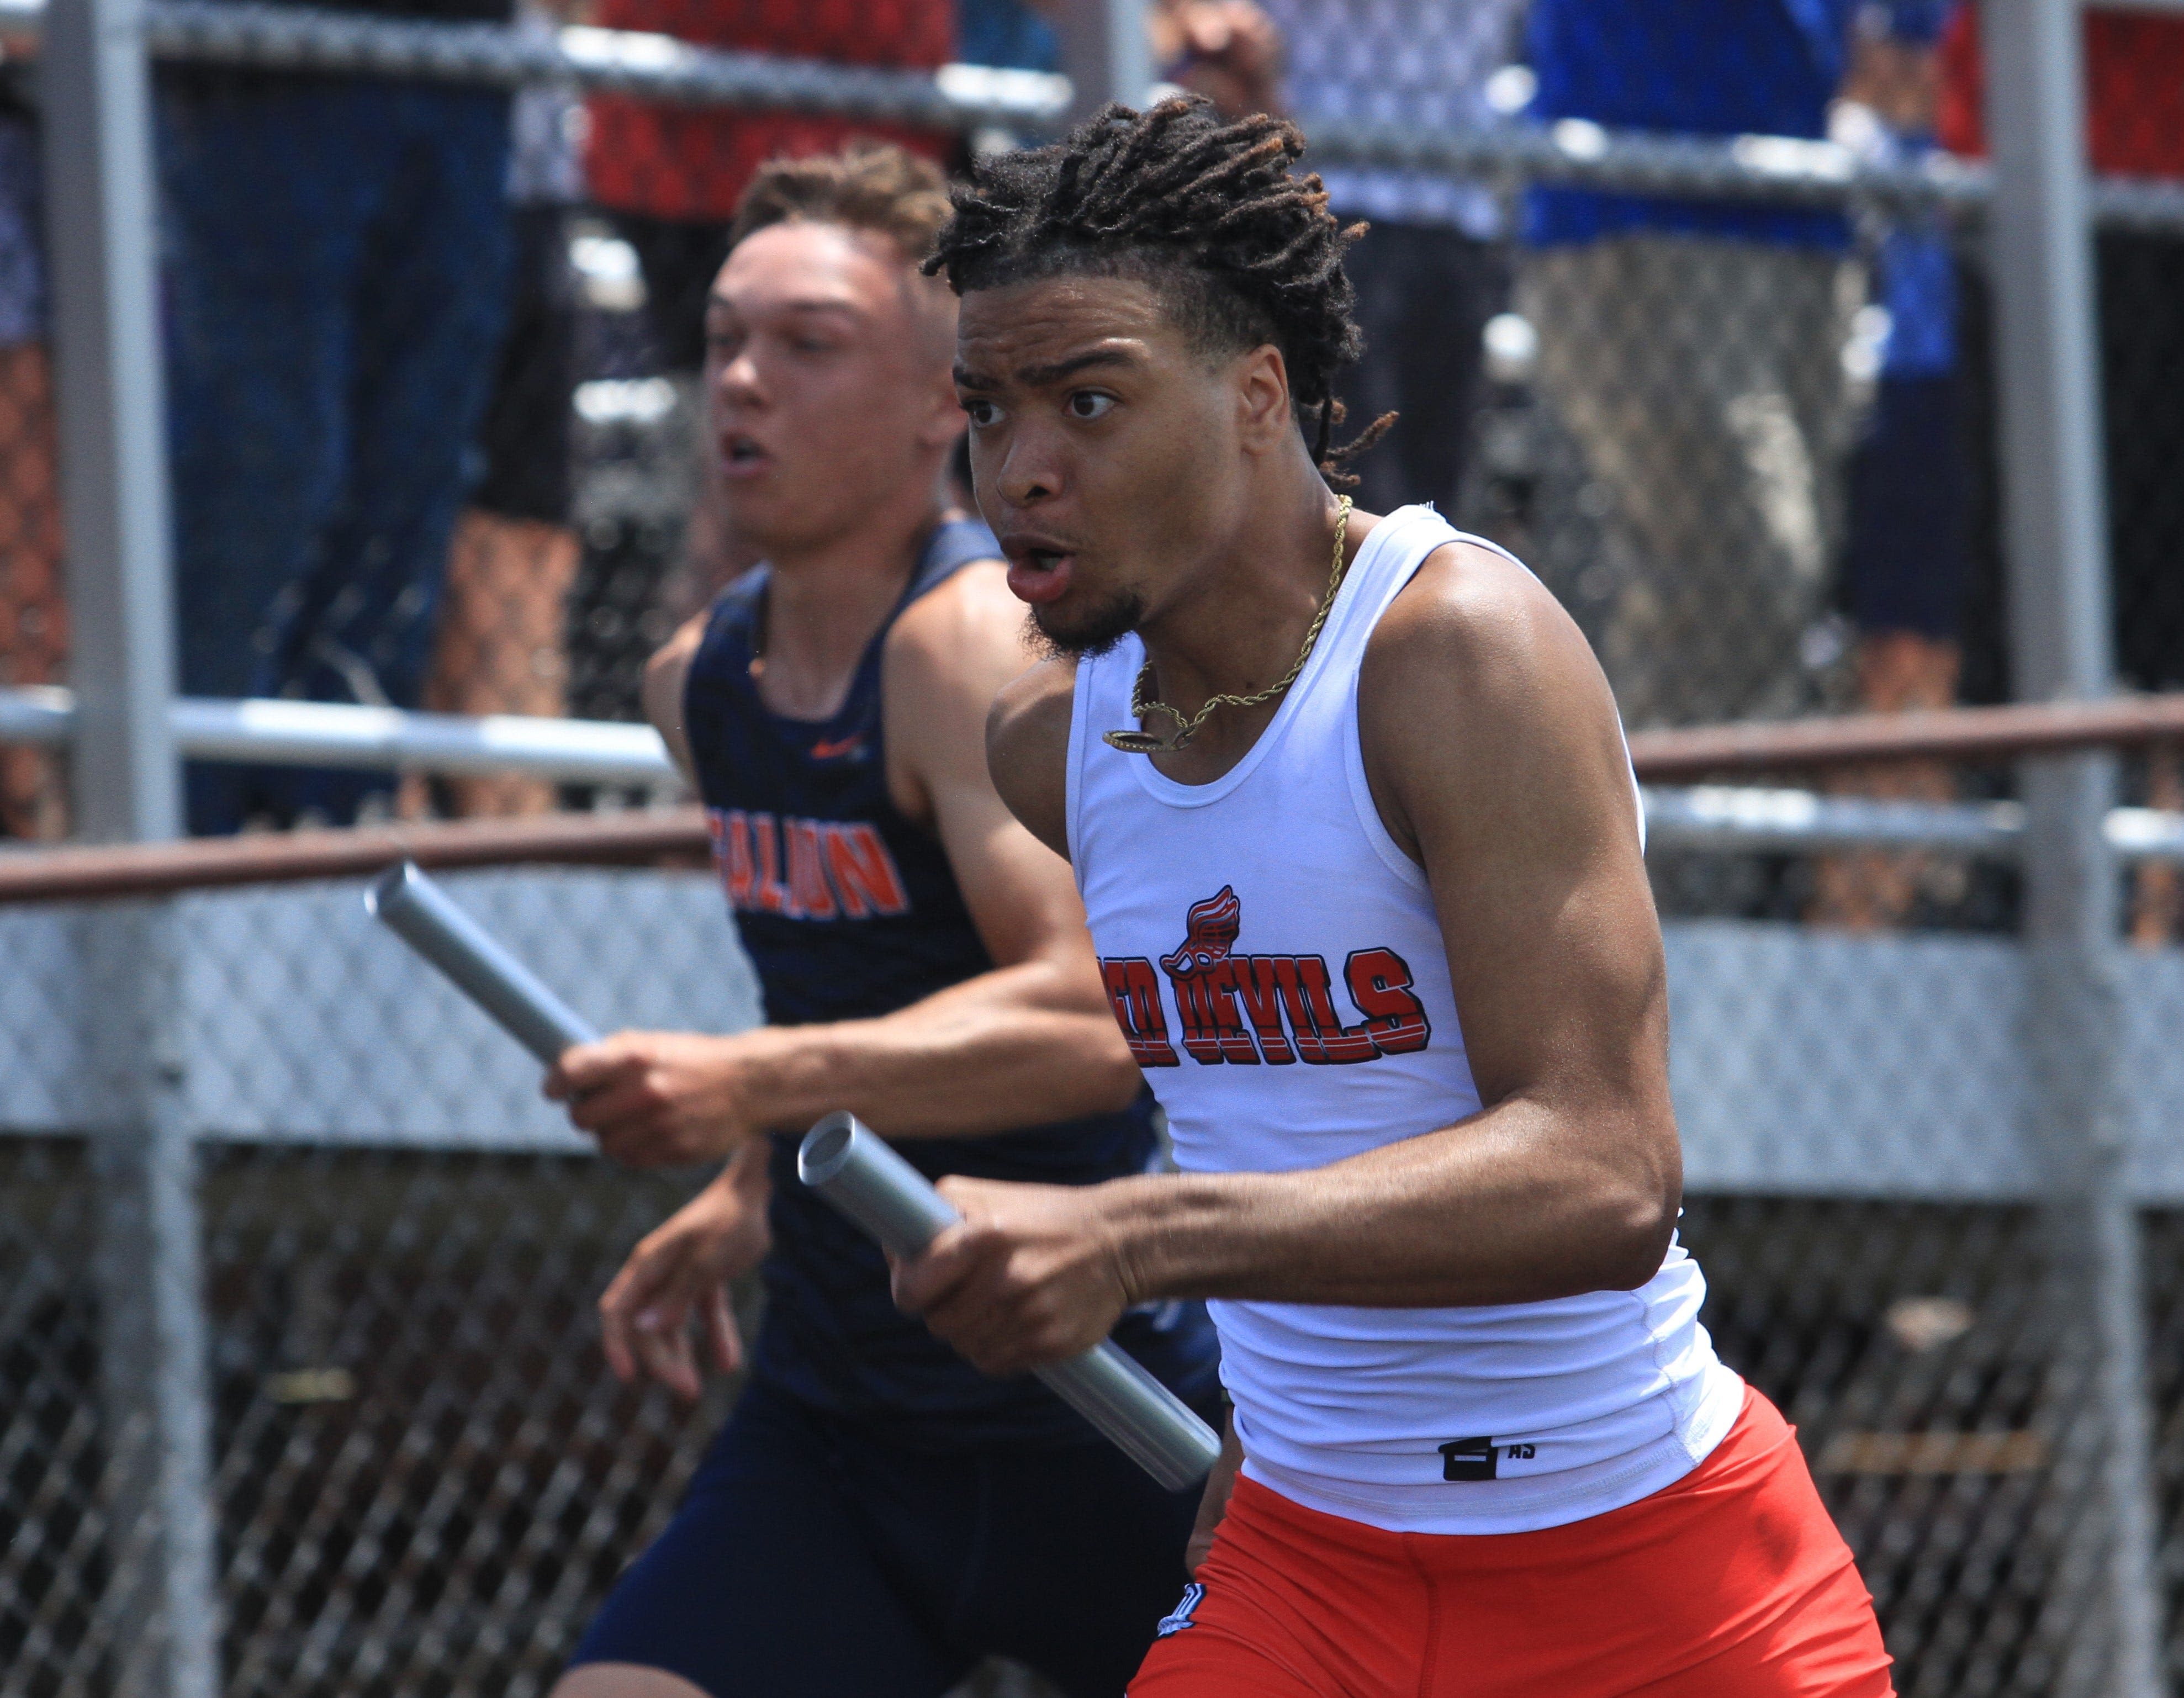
(426, 917)
(853, 1169)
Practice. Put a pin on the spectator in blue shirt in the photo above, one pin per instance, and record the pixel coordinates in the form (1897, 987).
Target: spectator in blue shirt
(335, 250)
(1905, 555)
(1693, 348)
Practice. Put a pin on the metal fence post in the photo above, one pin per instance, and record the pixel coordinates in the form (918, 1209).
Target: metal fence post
(113, 417)
(1106, 53)
(160, 1609)
(2107, 1609)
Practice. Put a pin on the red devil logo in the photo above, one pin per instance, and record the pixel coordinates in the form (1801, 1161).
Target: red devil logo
(1210, 929)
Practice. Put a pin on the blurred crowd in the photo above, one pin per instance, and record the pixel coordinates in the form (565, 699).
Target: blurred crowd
(433, 355)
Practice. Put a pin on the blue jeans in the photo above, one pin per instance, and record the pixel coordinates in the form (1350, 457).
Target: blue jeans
(335, 254)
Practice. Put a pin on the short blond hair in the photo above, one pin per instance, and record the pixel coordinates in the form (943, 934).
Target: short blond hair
(870, 186)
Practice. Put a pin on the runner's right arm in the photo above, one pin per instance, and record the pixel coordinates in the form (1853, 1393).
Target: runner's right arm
(1032, 1040)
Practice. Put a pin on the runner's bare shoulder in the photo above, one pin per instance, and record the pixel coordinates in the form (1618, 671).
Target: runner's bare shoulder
(667, 675)
(967, 624)
(945, 657)
(1027, 750)
(1522, 719)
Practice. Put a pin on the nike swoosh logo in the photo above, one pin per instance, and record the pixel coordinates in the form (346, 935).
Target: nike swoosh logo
(834, 749)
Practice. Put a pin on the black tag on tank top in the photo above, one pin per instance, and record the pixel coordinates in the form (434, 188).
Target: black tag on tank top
(1469, 1459)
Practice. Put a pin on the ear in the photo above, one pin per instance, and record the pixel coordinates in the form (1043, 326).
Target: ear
(1264, 423)
(933, 306)
(943, 420)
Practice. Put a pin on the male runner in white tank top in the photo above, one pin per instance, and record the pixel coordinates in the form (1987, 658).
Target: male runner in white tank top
(1349, 804)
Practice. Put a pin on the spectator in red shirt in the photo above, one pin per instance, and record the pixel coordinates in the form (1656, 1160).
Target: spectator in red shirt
(33, 619)
(672, 175)
(2135, 127)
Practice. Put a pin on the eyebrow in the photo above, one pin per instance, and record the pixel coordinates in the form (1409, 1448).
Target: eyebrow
(715, 303)
(1039, 377)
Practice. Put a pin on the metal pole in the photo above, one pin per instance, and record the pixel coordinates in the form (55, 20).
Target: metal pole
(159, 1608)
(113, 418)
(1106, 53)
(2107, 1612)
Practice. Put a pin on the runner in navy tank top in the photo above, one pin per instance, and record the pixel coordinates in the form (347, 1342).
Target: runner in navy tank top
(877, 1516)
(849, 910)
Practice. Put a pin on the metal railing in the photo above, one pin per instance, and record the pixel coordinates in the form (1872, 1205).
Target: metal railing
(2037, 1071)
(1721, 817)
(1574, 151)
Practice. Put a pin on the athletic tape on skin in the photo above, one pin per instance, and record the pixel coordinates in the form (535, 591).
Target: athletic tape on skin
(426, 917)
(856, 1170)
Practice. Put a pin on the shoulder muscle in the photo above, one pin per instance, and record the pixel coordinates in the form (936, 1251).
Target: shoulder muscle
(1482, 711)
(1027, 750)
(1494, 753)
(945, 659)
(665, 674)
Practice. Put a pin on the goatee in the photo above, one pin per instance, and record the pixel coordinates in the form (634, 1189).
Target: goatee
(1087, 630)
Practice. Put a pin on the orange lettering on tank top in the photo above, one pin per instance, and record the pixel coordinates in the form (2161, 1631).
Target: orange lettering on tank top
(816, 870)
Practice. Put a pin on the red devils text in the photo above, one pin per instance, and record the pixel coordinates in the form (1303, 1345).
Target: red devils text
(1246, 1009)
(804, 869)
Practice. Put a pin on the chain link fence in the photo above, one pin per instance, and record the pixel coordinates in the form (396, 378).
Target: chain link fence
(432, 285)
(1699, 327)
(422, 1478)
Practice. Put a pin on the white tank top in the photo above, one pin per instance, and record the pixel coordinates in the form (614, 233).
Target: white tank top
(1275, 960)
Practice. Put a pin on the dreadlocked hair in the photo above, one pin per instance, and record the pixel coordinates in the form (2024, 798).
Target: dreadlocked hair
(1207, 213)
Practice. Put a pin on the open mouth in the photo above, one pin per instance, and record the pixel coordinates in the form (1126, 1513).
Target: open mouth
(1039, 573)
(740, 453)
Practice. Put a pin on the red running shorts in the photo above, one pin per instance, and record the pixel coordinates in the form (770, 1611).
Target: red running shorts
(1733, 1583)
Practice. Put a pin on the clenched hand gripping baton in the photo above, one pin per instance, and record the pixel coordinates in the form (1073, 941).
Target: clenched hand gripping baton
(426, 919)
(845, 1162)
(841, 1159)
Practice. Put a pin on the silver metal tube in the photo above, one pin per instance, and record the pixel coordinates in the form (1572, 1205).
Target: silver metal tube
(1105, 47)
(1106, 53)
(159, 1604)
(392, 739)
(273, 732)
(655, 67)
(41, 714)
(111, 401)
(1741, 818)
(425, 918)
(2105, 1596)
(1719, 818)
(857, 1170)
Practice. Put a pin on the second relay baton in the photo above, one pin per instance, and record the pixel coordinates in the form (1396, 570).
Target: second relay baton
(845, 1162)
(426, 917)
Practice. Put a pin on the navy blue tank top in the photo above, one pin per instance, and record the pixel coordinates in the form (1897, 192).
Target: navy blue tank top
(850, 910)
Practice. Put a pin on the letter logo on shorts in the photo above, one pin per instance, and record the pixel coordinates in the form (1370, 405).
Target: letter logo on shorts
(1177, 1619)
(1469, 1459)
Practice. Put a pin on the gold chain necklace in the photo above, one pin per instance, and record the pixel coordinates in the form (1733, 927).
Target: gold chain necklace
(1146, 742)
